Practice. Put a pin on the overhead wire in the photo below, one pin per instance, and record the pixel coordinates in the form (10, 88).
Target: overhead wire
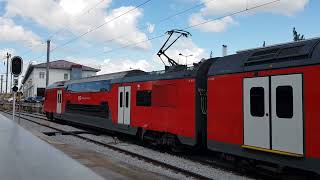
(140, 28)
(164, 19)
(77, 18)
(194, 25)
(159, 36)
(233, 14)
(86, 11)
(101, 25)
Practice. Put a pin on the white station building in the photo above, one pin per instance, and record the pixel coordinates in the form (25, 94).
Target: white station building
(34, 80)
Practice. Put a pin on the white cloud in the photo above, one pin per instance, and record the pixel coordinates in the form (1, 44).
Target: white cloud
(186, 47)
(150, 27)
(212, 9)
(11, 32)
(72, 14)
(213, 26)
(284, 7)
(73, 7)
(110, 66)
(3, 52)
(113, 65)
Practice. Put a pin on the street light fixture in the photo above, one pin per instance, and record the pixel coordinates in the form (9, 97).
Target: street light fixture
(186, 56)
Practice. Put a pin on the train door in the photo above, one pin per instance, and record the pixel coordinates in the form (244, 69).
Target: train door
(124, 99)
(280, 131)
(59, 101)
(287, 113)
(256, 112)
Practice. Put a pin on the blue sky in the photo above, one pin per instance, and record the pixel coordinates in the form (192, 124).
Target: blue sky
(26, 25)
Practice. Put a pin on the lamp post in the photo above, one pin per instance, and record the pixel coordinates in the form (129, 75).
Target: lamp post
(186, 56)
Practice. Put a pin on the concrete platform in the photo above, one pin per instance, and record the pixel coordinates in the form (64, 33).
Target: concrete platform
(104, 166)
(25, 156)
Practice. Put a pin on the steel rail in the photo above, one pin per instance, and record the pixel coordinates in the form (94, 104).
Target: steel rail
(120, 150)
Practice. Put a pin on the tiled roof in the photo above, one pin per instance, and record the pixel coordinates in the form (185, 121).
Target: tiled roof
(63, 64)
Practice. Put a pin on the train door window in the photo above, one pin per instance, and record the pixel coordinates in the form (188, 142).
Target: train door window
(127, 99)
(121, 99)
(257, 101)
(143, 98)
(284, 101)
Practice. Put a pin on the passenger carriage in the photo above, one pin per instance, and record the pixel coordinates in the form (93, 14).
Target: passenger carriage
(159, 106)
(263, 104)
(260, 105)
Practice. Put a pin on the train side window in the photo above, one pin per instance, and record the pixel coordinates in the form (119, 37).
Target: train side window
(143, 98)
(69, 87)
(284, 102)
(127, 99)
(257, 101)
(105, 86)
(121, 99)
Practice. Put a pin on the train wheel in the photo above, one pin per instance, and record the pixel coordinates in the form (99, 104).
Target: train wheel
(51, 118)
(47, 115)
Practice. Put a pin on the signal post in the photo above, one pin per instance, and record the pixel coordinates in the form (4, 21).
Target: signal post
(16, 69)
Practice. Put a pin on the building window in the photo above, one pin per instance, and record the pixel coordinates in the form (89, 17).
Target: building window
(65, 76)
(284, 106)
(41, 75)
(257, 101)
(143, 98)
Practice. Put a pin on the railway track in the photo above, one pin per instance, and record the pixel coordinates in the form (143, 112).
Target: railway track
(120, 150)
(202, 159)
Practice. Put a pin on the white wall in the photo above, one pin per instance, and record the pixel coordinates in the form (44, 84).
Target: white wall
(34, 81)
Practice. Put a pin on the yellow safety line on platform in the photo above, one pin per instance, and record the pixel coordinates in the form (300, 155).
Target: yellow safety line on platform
(272, 151)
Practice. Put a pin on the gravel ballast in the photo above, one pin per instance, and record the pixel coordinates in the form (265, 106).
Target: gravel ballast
(205, 170)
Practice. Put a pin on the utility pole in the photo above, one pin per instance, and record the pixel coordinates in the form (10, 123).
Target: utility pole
(48, 60)
(186, 56)
(11, 84)
(1, 82)
(8, 56)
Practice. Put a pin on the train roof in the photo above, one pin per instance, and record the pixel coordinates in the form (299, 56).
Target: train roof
(299, 53)
(159, 75)
(56, 85)
(111, 76)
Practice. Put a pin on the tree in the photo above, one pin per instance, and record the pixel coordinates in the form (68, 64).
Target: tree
(211, 54)
(297, 36)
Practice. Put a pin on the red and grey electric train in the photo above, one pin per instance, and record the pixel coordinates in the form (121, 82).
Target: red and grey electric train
(260, 104)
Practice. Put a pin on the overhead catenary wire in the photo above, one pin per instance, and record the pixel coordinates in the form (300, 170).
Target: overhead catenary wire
(101, 25)
(140, 28)
(86, 11)
(233, 14)
(192, 26)
(185, 28)
(164, 19)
